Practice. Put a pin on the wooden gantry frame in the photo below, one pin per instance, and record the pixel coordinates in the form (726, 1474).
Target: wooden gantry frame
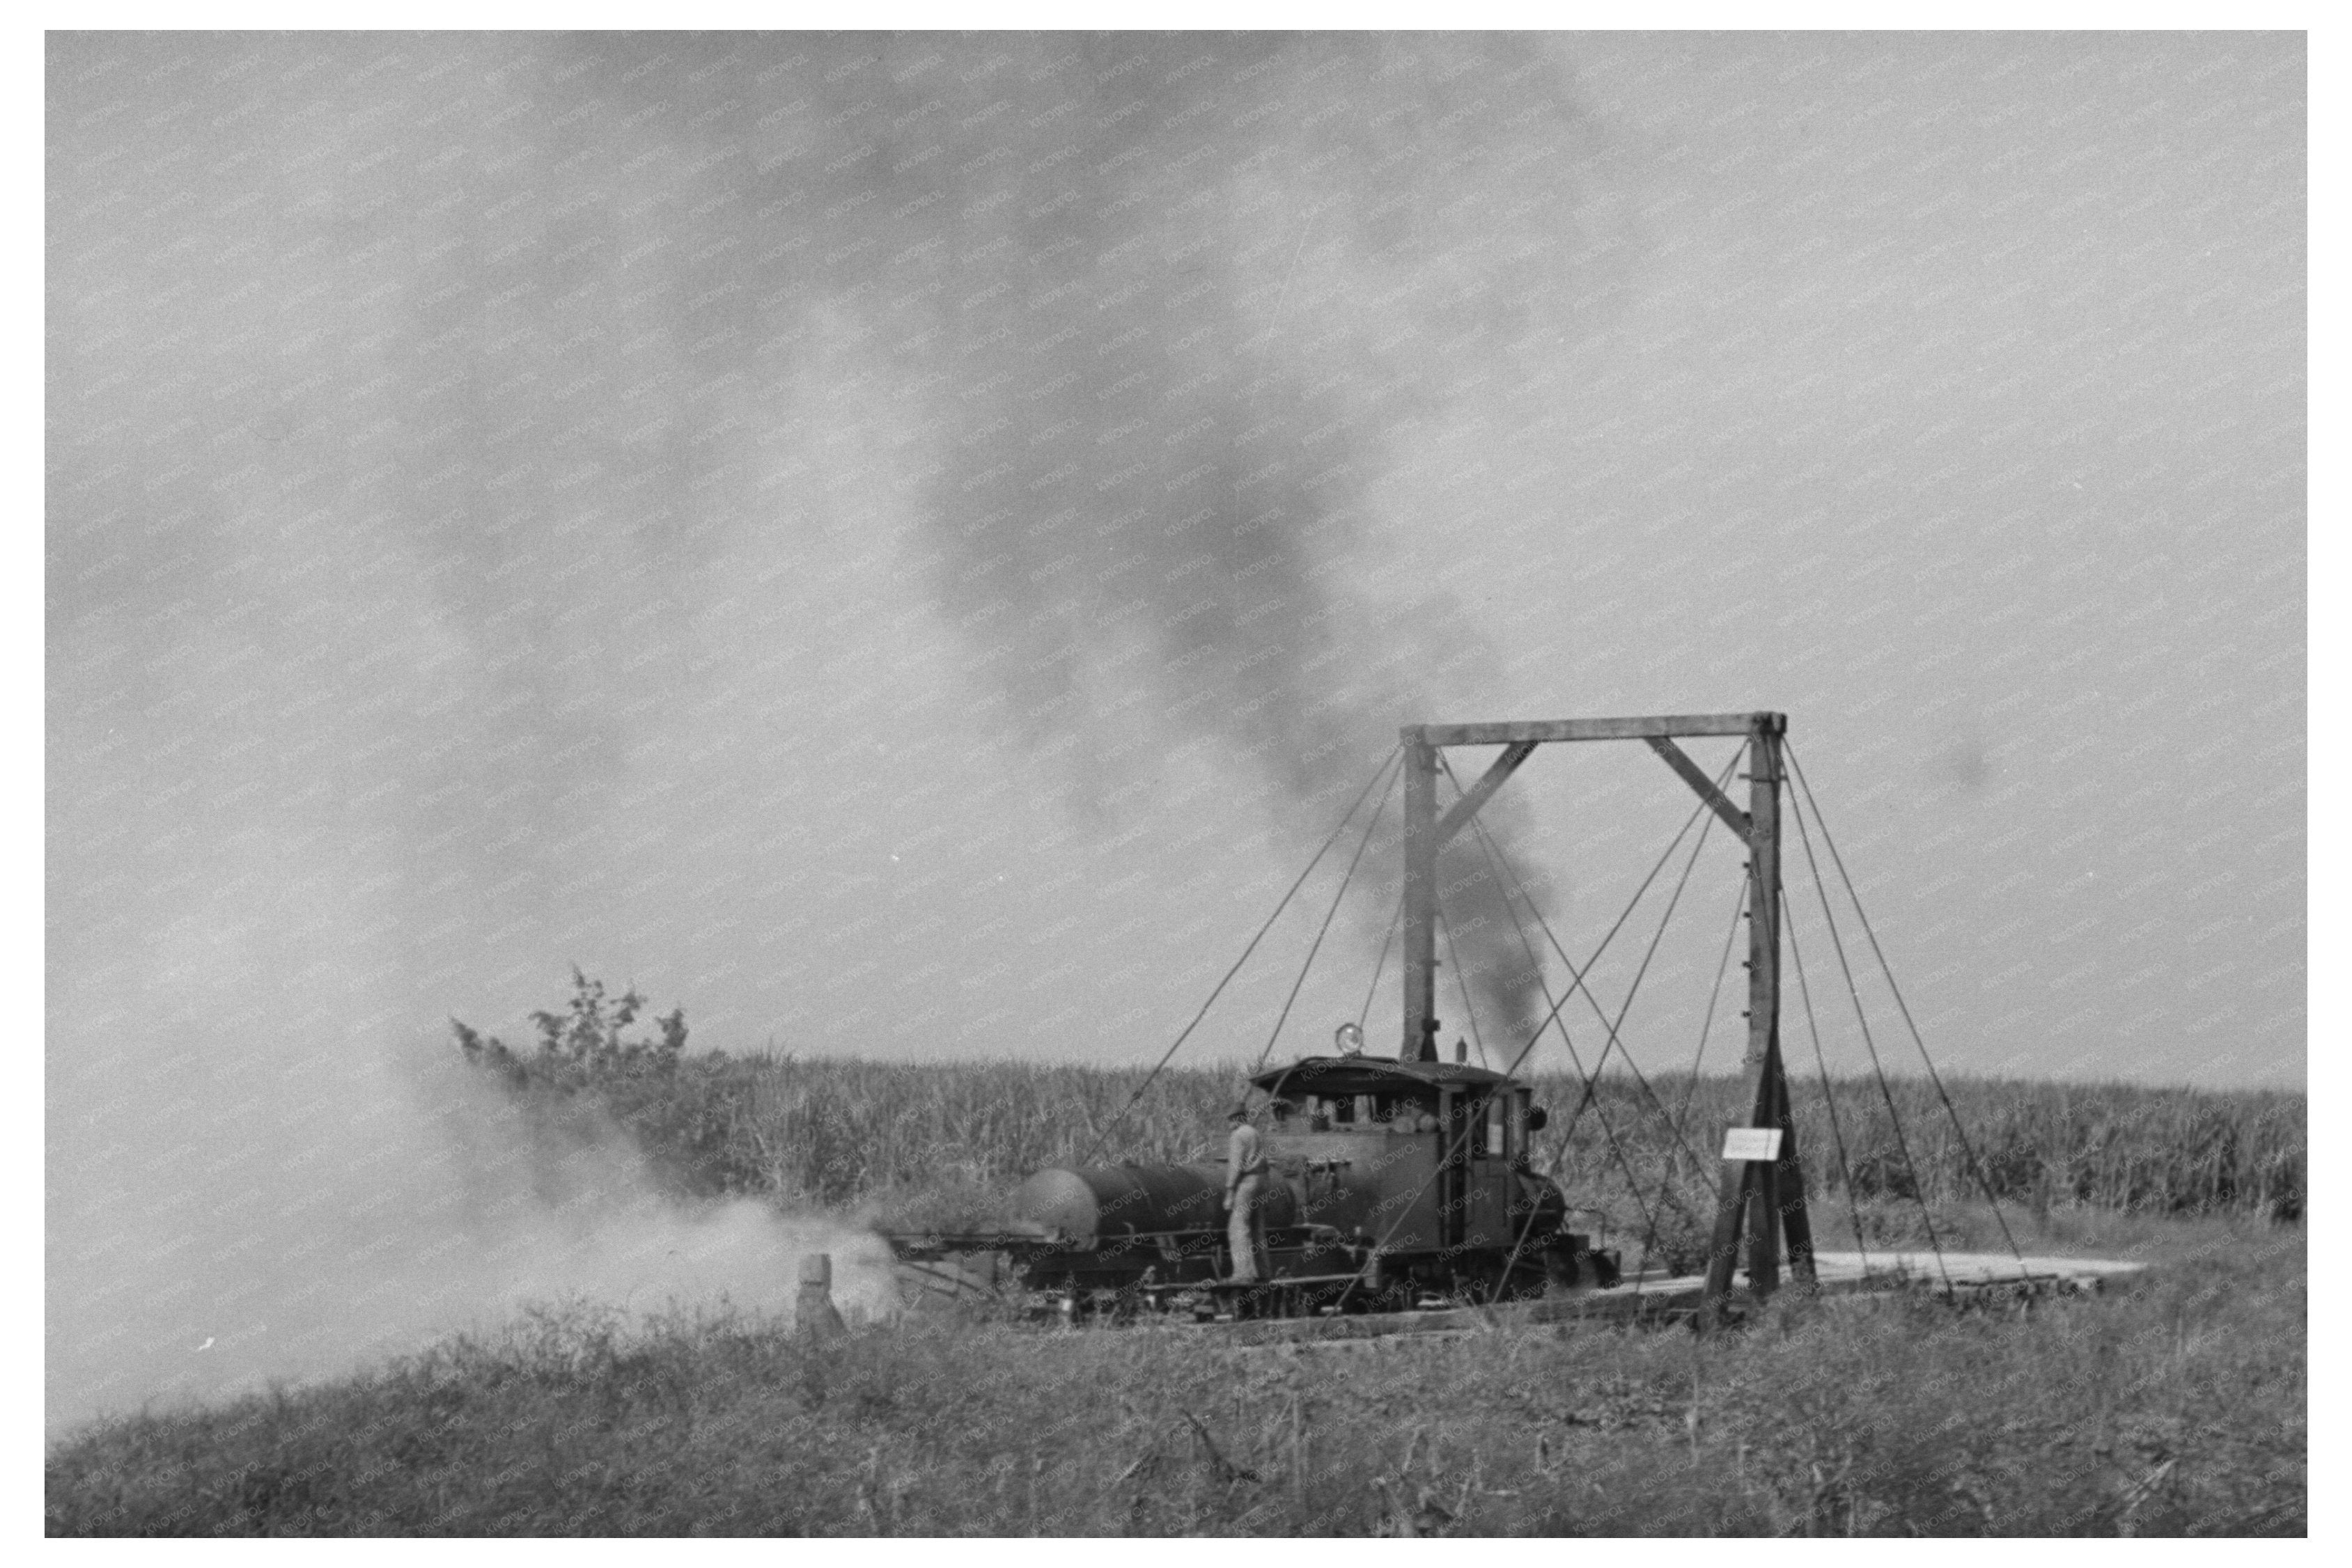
(1764, 1197)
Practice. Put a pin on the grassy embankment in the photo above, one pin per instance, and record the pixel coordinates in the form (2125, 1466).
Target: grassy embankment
(2178, 1407)
(2175, 1408)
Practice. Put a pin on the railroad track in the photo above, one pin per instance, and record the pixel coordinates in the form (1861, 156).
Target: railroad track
(1660, 1300)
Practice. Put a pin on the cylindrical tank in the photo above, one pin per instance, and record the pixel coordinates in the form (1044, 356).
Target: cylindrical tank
(1102, 1203)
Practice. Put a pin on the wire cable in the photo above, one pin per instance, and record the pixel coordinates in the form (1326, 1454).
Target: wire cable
(1505, 880)
(1577, 976)
(1592, 1084)
(1461, 984)
(1837, 1133)
(1591, 1081)
(1323, 930)
(1461, 1141)
(1895, 1118)
(1499, 867)
(1396, 918)
(1966, 1149)
(1104, 1136)
(1667, 1186)
(1616, 1145)
(1722, 968)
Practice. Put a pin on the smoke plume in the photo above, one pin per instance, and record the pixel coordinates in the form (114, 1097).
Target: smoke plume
(1173, 311)
(432, 420)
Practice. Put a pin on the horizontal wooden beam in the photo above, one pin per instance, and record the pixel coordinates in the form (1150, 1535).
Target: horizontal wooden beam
(1679, 761)
(1540, 731)
(1479, 793)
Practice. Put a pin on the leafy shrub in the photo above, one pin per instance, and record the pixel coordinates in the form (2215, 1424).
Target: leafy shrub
(586, 1036)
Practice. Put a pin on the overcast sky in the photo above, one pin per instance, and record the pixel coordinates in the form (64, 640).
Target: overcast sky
(902, 546)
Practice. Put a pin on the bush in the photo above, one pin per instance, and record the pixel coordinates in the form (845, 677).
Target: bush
(585, 1037)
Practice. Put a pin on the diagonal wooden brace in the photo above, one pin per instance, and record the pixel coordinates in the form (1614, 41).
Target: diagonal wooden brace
(1482, 791)
(1679, 761)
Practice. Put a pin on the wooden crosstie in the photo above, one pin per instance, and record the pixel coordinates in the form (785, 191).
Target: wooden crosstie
(1764, 1197)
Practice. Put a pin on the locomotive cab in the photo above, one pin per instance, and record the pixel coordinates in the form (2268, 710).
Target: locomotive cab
(1420, 1168)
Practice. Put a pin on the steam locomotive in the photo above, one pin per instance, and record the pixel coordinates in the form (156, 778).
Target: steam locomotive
(1393, 1184)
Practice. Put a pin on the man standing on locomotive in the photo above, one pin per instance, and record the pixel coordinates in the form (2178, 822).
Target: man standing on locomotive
(1245, 1171)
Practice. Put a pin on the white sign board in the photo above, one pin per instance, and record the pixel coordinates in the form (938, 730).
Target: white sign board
(1752, 1144)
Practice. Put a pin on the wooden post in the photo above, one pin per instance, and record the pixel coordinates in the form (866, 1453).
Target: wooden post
(1764, 997)
(1420, 922)
(814, 1315)
(1772, 1192)
(1781, 1183)
(1763, 893)
(1730, 1212)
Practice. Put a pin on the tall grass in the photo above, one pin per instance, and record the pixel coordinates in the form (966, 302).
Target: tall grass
(2178, 1408)
(943, 1142)
(2115, 1145)
(2027, 1145)
(847, 1132)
